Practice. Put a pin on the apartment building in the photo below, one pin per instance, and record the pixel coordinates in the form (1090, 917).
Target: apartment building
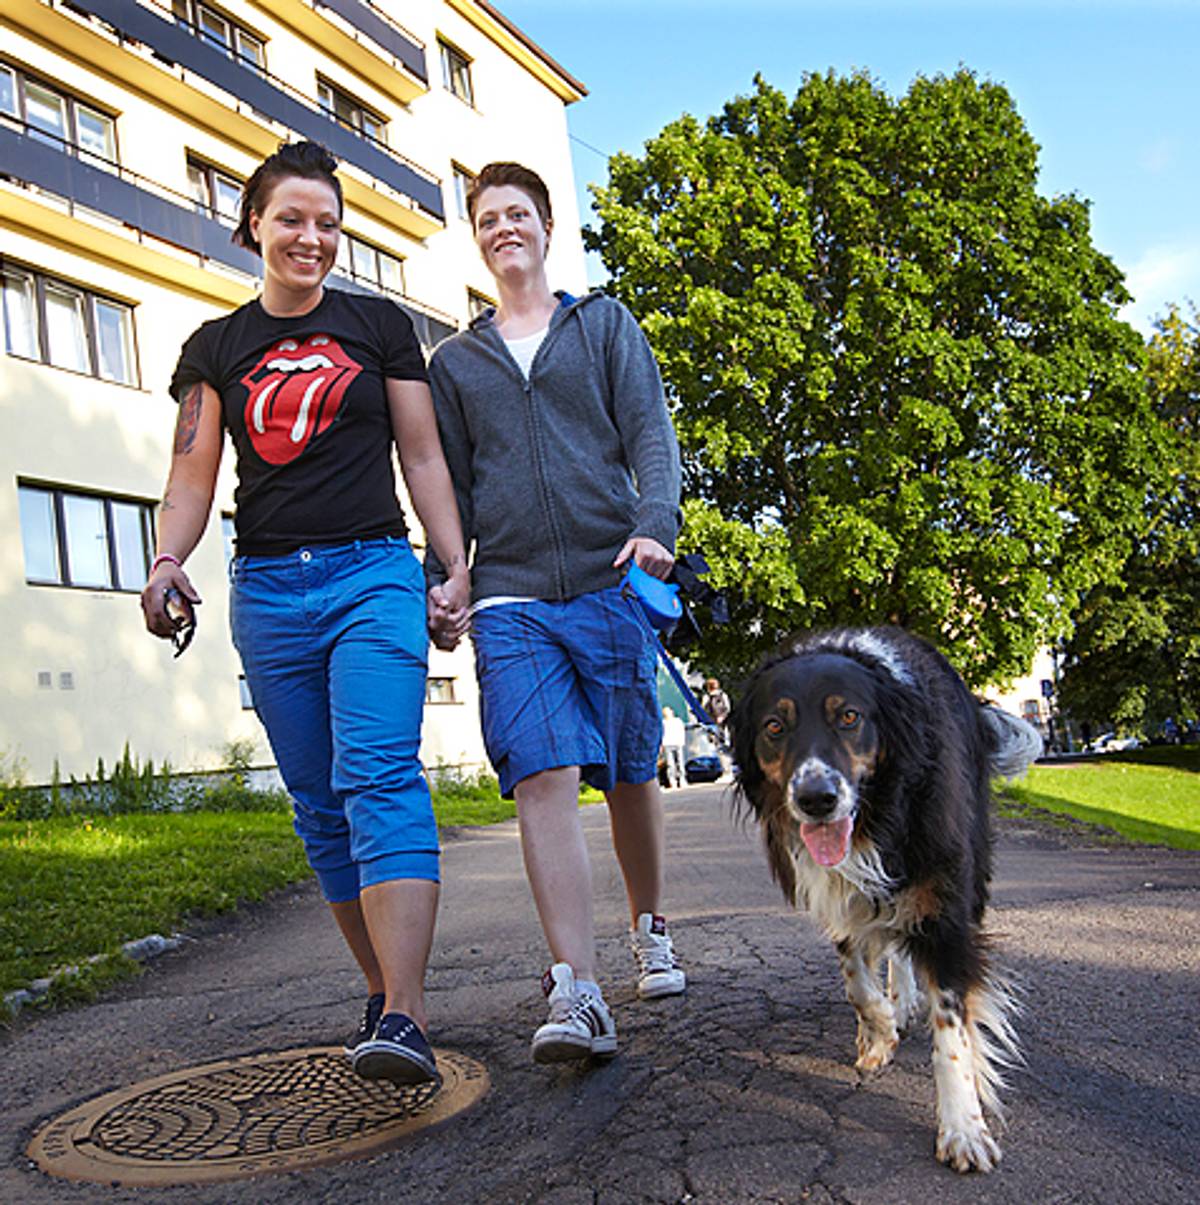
(126, 129)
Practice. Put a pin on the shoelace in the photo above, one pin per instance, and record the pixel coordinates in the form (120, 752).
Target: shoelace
(655, 955)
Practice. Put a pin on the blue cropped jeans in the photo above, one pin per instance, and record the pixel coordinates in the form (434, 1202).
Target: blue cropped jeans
(334, 644)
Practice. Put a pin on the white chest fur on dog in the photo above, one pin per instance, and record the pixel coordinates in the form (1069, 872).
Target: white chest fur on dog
(867, 763)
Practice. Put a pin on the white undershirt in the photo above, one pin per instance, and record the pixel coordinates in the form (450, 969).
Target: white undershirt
(523, 351)
(525, 348)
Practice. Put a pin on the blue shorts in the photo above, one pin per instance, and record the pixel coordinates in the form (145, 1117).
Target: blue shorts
(333, 642)
(568, 684)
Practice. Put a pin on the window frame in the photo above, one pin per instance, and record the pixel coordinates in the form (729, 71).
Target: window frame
(191, 13)
(209, 175)
(431, 689)
(42, 283)
(71, 105)
(456, 66)
(477, 302)
(60, 534)
(462, 181)
(345, 264)
(360, 113)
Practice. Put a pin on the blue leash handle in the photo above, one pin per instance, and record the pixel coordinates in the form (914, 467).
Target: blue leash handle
(689, 696)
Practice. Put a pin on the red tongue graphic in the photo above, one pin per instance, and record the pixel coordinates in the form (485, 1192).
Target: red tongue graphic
(828, 843)
(294, 393)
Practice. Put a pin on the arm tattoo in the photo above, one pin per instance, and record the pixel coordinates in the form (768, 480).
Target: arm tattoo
(189, 419)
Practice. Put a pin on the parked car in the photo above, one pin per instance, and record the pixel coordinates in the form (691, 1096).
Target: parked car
(1110, 742)
(701, 761)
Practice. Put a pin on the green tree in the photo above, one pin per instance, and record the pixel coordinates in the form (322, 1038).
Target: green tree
(897, 372)
(1134, 657)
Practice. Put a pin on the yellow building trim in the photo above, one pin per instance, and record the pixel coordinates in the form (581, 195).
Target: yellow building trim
(49, 220)
(513, 42)
(202, 104)
(401, 213)
(365, 58)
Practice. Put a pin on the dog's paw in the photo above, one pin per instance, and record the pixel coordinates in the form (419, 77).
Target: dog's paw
(968, 1149)
(875, 1047)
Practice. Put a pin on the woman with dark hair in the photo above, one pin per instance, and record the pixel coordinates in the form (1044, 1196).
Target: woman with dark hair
(315, 386)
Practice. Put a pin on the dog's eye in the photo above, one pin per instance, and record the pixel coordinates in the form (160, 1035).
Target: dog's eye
(773, 727)
(848, 718)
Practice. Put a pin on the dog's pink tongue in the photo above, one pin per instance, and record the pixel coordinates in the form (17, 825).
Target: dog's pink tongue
(828, 843)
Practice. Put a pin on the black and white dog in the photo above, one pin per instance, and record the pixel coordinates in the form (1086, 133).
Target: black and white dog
(868, 765)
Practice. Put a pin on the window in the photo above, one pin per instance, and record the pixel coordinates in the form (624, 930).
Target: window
(349, 112)
(456, 72)
(58, 119)
(61, 324)
(88, 540)
(463, 180)
(477, 303)
(215, 192)
(439, 690)
(370, 265)
(220, 31)
(228, 539)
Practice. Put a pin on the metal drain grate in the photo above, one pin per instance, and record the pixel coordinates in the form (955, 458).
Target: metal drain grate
(245, 1117)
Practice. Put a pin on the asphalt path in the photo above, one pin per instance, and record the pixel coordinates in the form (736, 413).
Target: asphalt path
(743, 1090)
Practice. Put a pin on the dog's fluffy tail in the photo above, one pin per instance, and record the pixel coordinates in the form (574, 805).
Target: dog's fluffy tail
(1015, 743)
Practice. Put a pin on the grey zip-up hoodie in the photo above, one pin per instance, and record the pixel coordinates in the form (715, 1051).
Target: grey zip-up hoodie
(554, 474)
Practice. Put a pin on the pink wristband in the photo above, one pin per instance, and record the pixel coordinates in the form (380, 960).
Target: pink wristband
(165, 556)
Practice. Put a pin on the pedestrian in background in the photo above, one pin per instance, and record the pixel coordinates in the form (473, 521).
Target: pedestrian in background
(673, 741)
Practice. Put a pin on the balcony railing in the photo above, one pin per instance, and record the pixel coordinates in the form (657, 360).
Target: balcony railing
(175, 42)
(82, 178)
(383, 31)
(58, 167)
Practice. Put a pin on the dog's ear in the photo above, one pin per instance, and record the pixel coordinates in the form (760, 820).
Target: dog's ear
(896, 711)
(776, 831)
(742, 731)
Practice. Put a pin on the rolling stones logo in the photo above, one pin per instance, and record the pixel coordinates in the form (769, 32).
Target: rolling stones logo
(296, 390)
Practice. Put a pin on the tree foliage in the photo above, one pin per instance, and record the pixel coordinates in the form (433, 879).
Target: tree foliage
(896, 370)
(1134, 657)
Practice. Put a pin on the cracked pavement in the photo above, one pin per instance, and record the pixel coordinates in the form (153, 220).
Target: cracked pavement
(742, 1091)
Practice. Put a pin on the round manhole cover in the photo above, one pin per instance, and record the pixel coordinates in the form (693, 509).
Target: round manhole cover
(246, 1117)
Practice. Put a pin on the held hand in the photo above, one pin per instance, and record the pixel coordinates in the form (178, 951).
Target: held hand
(447, 611)
(646, 554)
(154, 599)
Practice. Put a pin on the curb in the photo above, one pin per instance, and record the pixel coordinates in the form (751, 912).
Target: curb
(142, 949)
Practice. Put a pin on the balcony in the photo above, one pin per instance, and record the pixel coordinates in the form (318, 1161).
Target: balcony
(161, 58)
(141, 224)
(362, 37)
(104, 210)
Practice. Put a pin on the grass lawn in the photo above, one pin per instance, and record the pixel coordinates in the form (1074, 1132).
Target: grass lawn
(77, 887)
(1150, 795)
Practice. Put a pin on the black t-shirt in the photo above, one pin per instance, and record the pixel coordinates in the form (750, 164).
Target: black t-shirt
(305, 403)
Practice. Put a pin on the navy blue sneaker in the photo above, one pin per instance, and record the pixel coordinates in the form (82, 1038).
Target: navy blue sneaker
(367, 1026)
(398, 1052)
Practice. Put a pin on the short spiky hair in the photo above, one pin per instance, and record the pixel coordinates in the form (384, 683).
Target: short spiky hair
(308, 160)
(496, 175)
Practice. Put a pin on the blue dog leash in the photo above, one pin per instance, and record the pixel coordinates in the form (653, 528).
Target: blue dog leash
(657, 608)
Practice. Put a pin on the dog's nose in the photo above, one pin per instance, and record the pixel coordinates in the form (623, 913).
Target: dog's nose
(816, 795)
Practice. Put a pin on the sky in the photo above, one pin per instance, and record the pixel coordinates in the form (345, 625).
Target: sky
(1109, 89)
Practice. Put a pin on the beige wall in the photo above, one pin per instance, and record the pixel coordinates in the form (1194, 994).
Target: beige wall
(74, 431)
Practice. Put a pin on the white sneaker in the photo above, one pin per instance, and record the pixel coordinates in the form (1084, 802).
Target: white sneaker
(579, 1024)
(659, 974)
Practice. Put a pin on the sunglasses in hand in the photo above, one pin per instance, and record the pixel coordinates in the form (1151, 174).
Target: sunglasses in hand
(182, 615)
